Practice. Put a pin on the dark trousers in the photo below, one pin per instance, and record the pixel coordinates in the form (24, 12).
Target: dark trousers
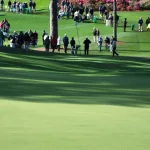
(86, 51)
(124, 28)
(65, 48)
(114, 52)
(47, 47)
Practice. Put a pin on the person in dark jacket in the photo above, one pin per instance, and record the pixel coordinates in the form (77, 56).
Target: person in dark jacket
(147, 21)
(91, 11)
(34, 6)
(72, 43)
(107, 43)
(2, 4)
(20, 39)
(26, 40)
(125, 24)
(140, 22)
(86, 46)
(66, 42)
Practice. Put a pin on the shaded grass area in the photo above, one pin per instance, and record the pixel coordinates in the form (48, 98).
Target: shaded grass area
(56, 78)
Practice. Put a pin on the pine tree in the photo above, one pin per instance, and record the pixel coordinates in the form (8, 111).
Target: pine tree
(53, 19)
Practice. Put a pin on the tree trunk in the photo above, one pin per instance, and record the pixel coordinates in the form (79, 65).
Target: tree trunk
(53, 20)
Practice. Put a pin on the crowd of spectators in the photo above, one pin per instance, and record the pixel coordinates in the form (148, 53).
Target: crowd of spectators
(23, 39)
(21, 7)
(77, 12)
(17, 40)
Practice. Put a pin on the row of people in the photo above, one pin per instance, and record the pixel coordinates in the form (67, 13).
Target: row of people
(21, 7)
(75, 10)
(49, 42)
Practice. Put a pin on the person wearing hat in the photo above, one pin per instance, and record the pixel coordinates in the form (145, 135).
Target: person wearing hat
(86, 46)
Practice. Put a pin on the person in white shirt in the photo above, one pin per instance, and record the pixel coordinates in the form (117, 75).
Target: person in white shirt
(76, 16)
(58, 43)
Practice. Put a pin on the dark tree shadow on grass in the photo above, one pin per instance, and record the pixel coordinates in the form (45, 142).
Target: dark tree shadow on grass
(57, 78)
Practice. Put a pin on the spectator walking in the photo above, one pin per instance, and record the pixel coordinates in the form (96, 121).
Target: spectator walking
(86, 46)
(114, 47)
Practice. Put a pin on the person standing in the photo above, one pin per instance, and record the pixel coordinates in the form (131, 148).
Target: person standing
(66, 42)
(94, 34)
(100, 42)
(97, 33)
(114, 47)
(86, 46)
(147, 21)
(1, 38)
(46, 43)
(44, 33)
(125, 24)
(34, 6)
(140, 22)
(107, 43)
(72, 43)
(53, 43)
(9, 5)
(58, 43)
(2, 4)
(91, 11)
(26, 40)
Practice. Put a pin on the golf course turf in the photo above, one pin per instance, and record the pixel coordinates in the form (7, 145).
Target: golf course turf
(54, 101)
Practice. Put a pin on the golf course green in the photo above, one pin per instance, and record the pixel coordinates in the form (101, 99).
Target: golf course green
(54, 101)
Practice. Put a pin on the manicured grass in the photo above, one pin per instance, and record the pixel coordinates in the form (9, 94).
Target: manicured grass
(58, 101)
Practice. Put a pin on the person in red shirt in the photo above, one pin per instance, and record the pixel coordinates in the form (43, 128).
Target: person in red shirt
(53, 42)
